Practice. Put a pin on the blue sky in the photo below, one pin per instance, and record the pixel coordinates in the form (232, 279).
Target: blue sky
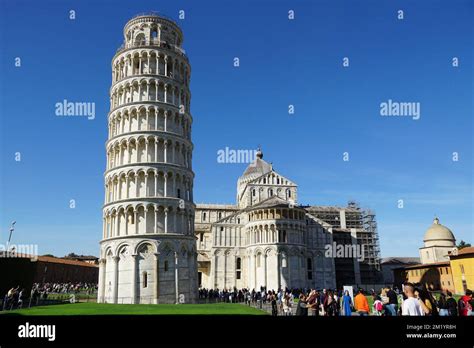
(282, 62)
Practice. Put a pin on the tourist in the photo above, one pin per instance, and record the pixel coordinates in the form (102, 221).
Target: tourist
(391, 307)
(411, 305)
(465, 305)
(361, 304)
(378, 306)
(286, 305)
(427, 302)
(314, 302)
(273, 301)
(347, 304)
(259, 299)
(451, 304)
(338, 300)
(6, 301)
(330, 304)
(383, 297)
(442, 305)
(20, 298)
(322, 300)
(302, 306)
(291, 299)
(12, 298)
(280, 300)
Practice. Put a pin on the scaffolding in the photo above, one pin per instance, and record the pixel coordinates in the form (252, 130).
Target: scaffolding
(361, 221)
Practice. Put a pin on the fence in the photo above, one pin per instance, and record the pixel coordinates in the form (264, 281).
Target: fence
(50, 299)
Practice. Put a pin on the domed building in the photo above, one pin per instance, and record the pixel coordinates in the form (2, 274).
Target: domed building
(443, 266)
(267, 241)
(438, 241)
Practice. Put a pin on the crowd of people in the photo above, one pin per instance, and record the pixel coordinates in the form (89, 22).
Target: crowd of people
(283, 301)
(420, 302)
(65, 288)
(413, 300)
(15, 298)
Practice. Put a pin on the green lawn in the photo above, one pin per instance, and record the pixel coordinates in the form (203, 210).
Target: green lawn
(137, 309)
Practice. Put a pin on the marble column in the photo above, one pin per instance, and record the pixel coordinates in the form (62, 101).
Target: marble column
(115, 278)
(133, 277)
(156, 283)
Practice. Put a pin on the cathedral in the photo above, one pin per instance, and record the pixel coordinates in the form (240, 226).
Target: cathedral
(266, 240)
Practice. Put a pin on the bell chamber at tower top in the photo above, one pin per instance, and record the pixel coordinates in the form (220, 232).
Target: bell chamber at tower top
(152, 30)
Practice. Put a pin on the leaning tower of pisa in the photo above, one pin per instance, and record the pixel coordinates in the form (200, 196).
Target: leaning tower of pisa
(148, 252)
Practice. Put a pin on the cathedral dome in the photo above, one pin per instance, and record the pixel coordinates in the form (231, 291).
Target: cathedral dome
(438, 235)
(256, 169)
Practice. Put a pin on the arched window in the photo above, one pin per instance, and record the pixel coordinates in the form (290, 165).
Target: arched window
(238, 265)
(179, 193)
(309, 267)
(140, 39)
(166, 266)
(220, 215)
(204, 216)
(253, 192)
(145, 279)
(270, 192)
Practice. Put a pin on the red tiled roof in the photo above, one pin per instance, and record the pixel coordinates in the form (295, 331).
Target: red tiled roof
(55, 260)
(463, 251)
(65, 261)
(426, 265)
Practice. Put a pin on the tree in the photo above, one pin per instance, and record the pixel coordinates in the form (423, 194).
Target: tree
(462, 244)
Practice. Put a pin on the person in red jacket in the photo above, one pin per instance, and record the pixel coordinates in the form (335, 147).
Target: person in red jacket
(465, 304)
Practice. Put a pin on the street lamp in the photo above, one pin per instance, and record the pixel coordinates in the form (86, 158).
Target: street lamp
(12, 228)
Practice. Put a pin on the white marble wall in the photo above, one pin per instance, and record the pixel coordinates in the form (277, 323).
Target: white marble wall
(130, 269)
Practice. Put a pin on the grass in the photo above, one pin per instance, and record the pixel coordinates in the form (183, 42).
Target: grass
(138, 309)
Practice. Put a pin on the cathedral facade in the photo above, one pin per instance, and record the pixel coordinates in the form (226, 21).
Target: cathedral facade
(268, 241)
